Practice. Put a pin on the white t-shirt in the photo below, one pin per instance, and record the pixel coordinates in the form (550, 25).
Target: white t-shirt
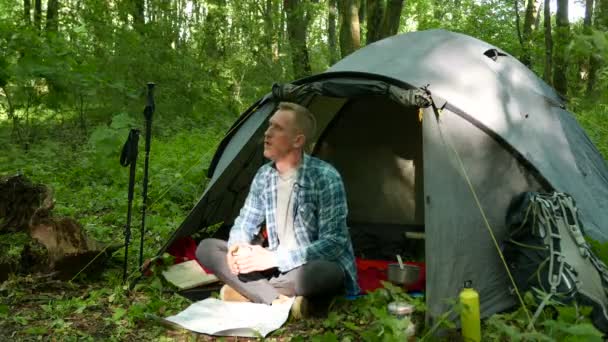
(284, 214)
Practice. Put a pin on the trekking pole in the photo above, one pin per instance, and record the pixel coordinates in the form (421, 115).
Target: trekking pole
(148, 111)
(129, 157)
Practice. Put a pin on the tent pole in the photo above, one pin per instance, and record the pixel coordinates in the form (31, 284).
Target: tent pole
(129, 157)
(148, 111)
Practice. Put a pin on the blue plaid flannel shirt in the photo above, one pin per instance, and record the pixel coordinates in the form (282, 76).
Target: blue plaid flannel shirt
(319, 218)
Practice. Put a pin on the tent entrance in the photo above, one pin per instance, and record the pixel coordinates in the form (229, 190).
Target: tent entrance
(376, 145)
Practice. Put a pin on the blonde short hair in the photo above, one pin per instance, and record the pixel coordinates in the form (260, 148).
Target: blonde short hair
(304, 119)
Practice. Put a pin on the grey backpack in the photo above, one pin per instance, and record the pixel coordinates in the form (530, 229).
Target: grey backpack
(546, 251)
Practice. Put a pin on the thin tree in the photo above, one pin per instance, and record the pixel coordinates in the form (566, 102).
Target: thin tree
(518, 24)
(392, 18)
(38, 14)
(528, 29)
(562, 38)
(137, 10)
(600, 24)
(375, 9)
(27, 11)
(350, 39)
(548, 42)
(538, 12)
(587, 23)
(331, 32)
(214, 31)
(297, 28)
(362, 16)
(383, 19)
(52, 13)
(269, 29)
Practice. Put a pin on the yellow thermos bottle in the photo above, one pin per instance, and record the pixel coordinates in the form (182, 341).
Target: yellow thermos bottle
(469, 316)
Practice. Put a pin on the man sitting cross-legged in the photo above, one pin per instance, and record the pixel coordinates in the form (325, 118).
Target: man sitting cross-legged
(302, 201)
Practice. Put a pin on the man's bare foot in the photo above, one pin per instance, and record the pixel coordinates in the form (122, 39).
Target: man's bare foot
(228, 294)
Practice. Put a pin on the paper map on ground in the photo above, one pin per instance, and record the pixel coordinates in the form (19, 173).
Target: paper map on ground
(216, 317)
(187, 275)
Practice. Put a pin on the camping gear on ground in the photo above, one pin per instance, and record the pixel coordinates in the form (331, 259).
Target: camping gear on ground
(403, 310)
(371, 273)
(128, 157)
(548, 254)
(404, 274)
(400, 261)
(400, 309)
(188, 275)
(148, 111)
(469, 315)
(403, 160)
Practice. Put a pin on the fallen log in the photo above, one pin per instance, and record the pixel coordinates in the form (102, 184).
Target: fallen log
(33, 240)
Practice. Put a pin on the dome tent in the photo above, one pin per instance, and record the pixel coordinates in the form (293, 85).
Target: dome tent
(405, 162)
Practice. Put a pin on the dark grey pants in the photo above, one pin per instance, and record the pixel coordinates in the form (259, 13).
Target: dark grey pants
(315, 278)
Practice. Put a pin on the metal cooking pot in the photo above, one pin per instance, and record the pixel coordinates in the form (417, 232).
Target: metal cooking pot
(406, 276)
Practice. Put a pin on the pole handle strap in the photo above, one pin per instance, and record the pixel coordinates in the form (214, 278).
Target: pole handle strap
(129, 150)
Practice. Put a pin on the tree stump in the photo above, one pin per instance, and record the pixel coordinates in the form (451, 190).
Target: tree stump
(33, 240)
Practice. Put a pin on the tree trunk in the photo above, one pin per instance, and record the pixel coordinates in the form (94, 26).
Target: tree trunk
(37, 14)
(350, 39)
(375, 15)
(600, 24)
(362, 15)
(46, 243)
(281, 30)
(538, 16)
(562, 38)
(392, 17)
(27, 11)
(548, 42)
(529, 20)
(137, 8)
(52, 11)
(331, 32)
(297, 26)
(269, 30)
(601, 17)
(587, 22)
(215, 30)
(517, 24)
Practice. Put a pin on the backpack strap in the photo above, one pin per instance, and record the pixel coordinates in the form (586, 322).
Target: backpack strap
(547, 223)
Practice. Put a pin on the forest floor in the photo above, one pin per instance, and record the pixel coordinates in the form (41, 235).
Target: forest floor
(35, 308)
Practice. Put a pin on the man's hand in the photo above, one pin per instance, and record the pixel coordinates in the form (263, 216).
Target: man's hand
(254, 258)
(231, 257)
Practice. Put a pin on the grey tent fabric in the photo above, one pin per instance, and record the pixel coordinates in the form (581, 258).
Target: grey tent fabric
(457, 240)
(502, 95)
(401, 163)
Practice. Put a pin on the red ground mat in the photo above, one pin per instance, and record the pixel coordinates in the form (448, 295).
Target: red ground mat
(184, 249)
(371, 272)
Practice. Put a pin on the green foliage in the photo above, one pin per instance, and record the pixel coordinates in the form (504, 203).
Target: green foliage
(556, 323)
(91, 186)
(367, 318)
(600, 249)
(68, 99)
(12, 246)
